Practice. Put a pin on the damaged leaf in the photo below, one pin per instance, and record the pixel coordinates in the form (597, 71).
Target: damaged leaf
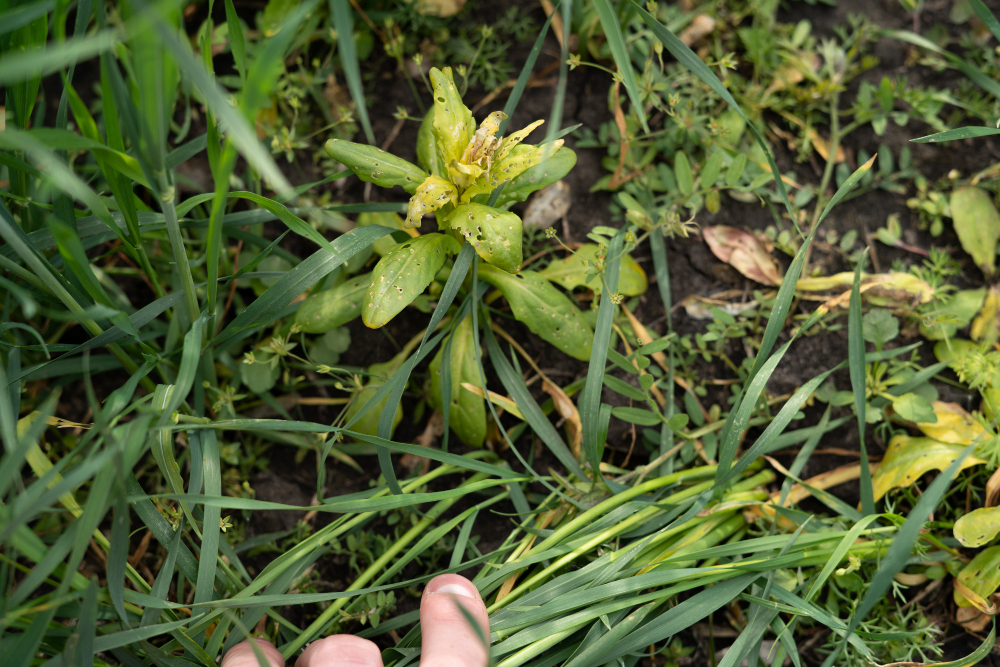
(908, 458)
(981, 576)
(743, 252)
(432, 194)
(986, 326)
(403, 274)
(978, 527)
(954, 425)
(373, 165)
(495, 234)
(894, 288)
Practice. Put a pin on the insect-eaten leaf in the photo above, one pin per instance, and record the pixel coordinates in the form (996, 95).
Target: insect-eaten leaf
(373, 165)
(466, 412)
(981, 576)
(908, 458)
(334, 307)
(978, 527)
(578, 270)
(403, 274)
(495, 234)
(953, 425)
(544, 309)
(986, 326)
(743, 252)
(432, 194)
(453, 125)
(945, 321)
(538, 176)
(977, 224)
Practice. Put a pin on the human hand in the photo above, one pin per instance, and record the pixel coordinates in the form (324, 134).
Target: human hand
(448, 638)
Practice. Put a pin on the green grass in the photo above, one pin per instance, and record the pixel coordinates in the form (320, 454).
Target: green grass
(599, 562)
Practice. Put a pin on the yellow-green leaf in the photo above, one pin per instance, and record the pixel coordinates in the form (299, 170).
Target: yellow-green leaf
(495, 234)
(431, 195)
(403, 274)
(427, 152)
(908, 458)
(538, 176)
(521, 158)
(981, 575)
(544, 309)
(986, 326)
(384, 244)
(978, 527)
(954, 425)
(577, 270)
(977, 224)
(453, 124)
(466, 412)
(374, 165)
(951, 350)
(334, 307)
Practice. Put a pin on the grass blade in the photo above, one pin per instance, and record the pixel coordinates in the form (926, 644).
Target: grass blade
(522, 78)
(956, 134)
(619, 51)
(856, 359)
(343, 23)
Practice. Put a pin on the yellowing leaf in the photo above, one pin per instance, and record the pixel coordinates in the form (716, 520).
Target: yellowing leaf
(743, 252)
(977, 224)
(567, 410)
(521, 158)
(467, 412)
(978, 527)
(453, 124)
(431, 195)
(572, 272)
(954, 425)
(495, 234)
(439, 8)
(908, 458)
(403, 274)
(484, 141)
(950, 350)
(981, 576)
(538, 176)
(374, 165)
(881, 289)
(986, 326)
(496, 399)
(548, 312)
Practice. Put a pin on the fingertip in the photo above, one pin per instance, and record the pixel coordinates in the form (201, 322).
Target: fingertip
(450, 607)
(341, 651)
(243, 655)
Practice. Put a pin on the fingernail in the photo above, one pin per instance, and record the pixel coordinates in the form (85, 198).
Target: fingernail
(456, 589)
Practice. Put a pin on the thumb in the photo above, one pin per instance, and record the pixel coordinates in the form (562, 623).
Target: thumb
(243, 655)
(453, 637)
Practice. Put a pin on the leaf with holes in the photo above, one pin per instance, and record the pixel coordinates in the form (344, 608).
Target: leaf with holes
(495, 234)
(538, 176)
(431, 195)
(544, 309)
(452, 125)
(334, 307)
(403, 274)
(981, 575)
(908, 458)
(373, 165)
(978, 527)
(467, 411)
(577, 270)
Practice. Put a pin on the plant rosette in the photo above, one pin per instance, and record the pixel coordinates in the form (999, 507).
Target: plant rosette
(460, 167)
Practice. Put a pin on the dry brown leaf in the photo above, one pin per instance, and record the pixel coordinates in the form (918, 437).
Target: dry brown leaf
(547, 206)
(700, 307)
(567, 411)
(702, 25)
(743, 252)
(972, 619)
(993, 489)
